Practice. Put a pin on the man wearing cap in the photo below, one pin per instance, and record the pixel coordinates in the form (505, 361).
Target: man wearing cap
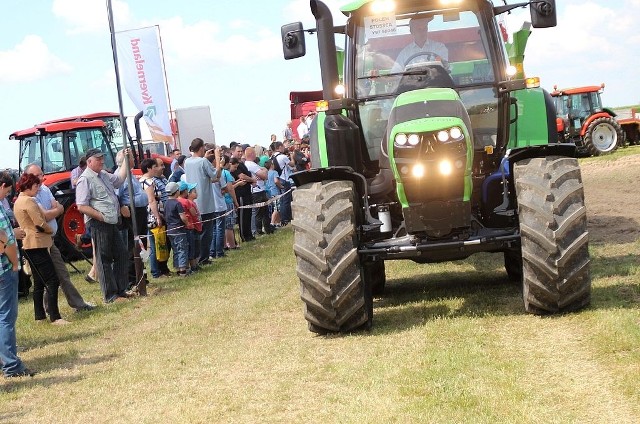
(199, 170)
(422, 47)
(97, 200)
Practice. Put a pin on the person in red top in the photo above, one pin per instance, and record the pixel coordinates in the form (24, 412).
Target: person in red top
(194, 225)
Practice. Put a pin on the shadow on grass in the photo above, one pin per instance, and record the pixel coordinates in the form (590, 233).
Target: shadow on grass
(611, 229)
(608, 266)
(43, 339)
(410, 302)
(52, 362)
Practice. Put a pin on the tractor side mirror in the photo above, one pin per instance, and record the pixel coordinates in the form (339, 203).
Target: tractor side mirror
(543, 13)
(293, 44)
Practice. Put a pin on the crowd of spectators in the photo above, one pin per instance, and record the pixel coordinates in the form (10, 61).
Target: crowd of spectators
(194, 213)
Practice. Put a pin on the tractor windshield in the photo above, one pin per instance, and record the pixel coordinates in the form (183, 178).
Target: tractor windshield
(421, 49)
(61, 151)
(388, 48)
(578, 105)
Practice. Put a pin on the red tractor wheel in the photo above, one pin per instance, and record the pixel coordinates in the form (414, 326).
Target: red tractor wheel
(604, 135)
(71, 223)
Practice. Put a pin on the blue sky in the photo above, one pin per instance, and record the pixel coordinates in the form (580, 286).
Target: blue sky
(55, 58)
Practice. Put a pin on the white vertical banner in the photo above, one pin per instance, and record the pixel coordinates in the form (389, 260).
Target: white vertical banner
(143, 76)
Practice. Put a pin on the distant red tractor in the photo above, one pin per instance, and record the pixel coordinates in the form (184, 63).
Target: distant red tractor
(56, 146)
(582, 120)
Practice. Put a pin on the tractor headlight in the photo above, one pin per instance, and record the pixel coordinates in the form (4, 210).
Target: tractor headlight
(443, 136)
(401, 139)
(414, 139)
(450, 135)
(418, 170)
(445, 167)
(455, 133)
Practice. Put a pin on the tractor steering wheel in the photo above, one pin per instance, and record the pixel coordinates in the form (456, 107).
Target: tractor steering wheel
(430, 56)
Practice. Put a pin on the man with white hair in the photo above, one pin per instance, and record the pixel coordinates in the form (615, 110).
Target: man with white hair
(52, 209)
(97, 200)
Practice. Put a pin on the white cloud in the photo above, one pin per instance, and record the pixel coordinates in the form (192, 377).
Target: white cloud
(30, 60)
(206, 42)
(87, 16)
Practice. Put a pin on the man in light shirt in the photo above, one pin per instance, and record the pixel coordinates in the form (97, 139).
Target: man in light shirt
(431, 50)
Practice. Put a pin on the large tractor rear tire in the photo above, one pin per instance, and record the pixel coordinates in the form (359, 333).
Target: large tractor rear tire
(332, 285)
(603, 135)
(554, 237)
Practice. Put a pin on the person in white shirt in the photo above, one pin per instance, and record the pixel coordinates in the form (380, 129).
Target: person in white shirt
(258, 193)
(303, 129)
(432, 50)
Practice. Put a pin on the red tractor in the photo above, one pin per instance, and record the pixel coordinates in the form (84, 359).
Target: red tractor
(56, 146)
(582, 120)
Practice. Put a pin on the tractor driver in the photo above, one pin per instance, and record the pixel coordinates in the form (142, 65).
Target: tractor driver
(433, 50)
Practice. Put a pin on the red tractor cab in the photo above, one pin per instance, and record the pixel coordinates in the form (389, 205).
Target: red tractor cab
(582, 120)
(57, 146)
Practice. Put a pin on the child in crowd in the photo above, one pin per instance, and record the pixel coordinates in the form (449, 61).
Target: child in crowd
(197, 225)
(192, 216)
(273, 187)
(176, 219)
(230, 165)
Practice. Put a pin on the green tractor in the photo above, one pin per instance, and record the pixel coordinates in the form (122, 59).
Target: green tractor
(431, 150)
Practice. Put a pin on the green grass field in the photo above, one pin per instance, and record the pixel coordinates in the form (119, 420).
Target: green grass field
(450, 344)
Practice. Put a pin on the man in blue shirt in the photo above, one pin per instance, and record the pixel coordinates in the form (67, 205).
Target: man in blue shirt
(12, 366)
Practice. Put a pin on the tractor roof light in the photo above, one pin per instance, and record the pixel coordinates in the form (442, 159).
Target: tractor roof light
(381, 7)
(340, 90)
(533, 82)
(443, 136)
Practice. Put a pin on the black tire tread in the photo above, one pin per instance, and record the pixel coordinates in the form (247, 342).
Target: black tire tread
(554, 236)
(327, 261)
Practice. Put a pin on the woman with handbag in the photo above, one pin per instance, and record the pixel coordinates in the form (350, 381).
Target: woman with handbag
(151, 168)
(36, 244)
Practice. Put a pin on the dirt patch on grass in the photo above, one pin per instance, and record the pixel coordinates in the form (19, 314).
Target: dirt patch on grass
(612, 196)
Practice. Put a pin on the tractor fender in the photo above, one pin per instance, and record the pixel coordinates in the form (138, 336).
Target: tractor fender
(590, 119)
(556, 149)
(342, 173)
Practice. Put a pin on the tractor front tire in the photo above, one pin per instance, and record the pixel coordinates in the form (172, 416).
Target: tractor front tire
(332, 285)
(554, 237)
(603, 135)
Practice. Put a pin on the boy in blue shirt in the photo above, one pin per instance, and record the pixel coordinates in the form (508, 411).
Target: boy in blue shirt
(177, 221)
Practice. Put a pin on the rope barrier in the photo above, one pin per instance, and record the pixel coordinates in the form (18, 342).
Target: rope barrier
(251, 206)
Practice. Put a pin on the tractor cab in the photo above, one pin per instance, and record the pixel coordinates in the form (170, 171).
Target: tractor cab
(581, 119)
(57, 147)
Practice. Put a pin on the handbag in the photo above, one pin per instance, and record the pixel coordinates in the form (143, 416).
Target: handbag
(162, 248)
